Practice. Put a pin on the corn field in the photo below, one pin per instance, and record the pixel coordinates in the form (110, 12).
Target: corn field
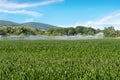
(60, 59)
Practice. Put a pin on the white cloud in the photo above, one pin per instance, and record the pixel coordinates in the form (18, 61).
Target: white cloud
(11, 5)
(31, 13)
(15, 8)
(109, 20)
(29, 20)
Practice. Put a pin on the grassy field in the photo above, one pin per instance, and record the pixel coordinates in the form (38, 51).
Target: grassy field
(60, 60)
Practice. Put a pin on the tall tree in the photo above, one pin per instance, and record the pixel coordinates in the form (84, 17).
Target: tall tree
(110, 32)
(71, 31)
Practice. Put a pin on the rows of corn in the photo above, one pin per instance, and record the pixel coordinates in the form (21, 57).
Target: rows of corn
(60, 60)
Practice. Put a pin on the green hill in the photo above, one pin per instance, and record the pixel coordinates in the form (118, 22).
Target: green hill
(38, 25)
(28, 24)
(8, 23)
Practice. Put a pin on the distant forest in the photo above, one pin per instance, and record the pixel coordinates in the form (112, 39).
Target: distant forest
(58, 31)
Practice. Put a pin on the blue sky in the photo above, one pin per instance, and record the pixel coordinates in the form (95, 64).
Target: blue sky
(65, 13)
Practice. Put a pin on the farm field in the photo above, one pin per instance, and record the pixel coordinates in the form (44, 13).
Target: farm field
(60, 59)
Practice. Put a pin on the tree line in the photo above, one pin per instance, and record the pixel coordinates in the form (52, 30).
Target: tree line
(82, 30)
(18, 30)
(79, 30)
(58, 31)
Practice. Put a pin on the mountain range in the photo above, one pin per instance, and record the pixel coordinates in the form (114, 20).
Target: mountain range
(37, 25)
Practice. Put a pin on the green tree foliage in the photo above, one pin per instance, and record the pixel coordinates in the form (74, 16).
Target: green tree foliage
(110, 32)
(57, 31)
(82, 30)
(18, 30)
(79, 30)
(118, 33)
(72, 31)
(2, 31)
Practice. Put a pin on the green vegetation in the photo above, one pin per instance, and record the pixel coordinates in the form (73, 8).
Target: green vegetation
(8, 23)
(18, 30)
(45, 29)
(38, 25)
(79, 30)
(60, 60)
(82, 30)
